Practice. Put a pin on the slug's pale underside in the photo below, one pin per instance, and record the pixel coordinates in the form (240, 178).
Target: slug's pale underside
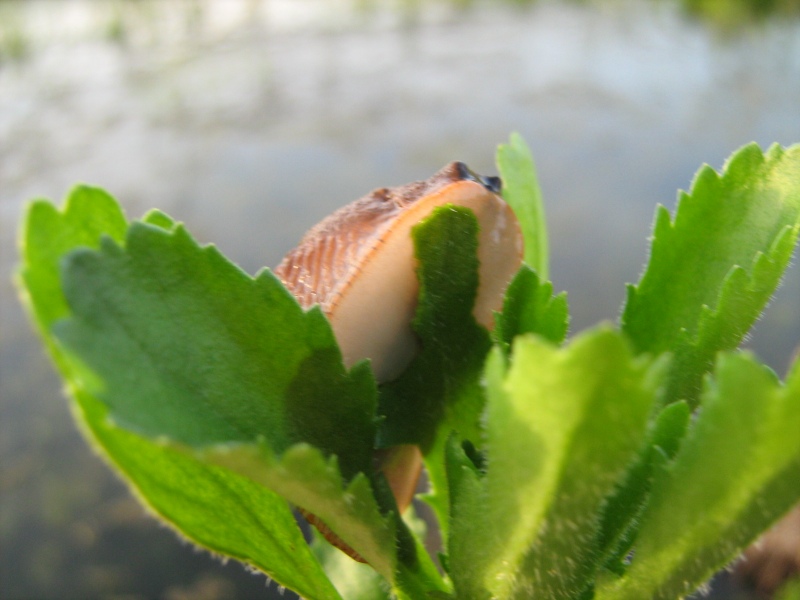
(358, 264)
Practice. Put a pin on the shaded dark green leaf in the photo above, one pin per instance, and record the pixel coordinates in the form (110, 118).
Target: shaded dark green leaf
(179, 342)
(530, 307)
(441, 390)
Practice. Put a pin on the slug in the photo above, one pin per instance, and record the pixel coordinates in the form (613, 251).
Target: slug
(358, 264)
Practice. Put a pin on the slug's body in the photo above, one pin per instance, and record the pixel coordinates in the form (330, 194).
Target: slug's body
(358, 264)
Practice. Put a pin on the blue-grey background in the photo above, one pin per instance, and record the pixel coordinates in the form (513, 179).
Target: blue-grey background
(251, 120)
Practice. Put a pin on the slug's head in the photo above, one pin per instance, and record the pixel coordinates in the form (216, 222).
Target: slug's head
(358, 264)
(493, 184)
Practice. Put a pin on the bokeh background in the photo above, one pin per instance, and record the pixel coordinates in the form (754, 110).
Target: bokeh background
(250, 120)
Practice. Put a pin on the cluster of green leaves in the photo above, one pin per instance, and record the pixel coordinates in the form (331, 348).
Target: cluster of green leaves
(628, 462)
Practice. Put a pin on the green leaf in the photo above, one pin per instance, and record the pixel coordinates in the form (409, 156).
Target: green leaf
(441, 390)
(354, 580)
(530, 307)
(308, 479)
(736, 472)
(468, 504)
(217, 509)
(622, 513)
(521, 191)
(89, 213)
(180, 343)
(159, 219)
(223, 512)
(713, 269)
(563, 425)
(454, 346)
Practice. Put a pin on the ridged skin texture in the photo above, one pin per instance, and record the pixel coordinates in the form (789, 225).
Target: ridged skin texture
(323, 263)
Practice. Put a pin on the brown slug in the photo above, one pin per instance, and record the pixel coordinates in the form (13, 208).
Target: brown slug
(358, 264)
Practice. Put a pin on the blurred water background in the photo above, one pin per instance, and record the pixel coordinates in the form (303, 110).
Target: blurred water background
(251, 120)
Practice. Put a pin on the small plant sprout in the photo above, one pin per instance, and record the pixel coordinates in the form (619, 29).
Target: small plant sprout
(416, 327)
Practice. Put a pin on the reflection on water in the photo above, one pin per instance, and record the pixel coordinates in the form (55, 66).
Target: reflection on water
(250, 120)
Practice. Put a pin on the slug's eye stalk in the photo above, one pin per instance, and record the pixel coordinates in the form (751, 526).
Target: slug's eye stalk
(358, 264)
(493, 184)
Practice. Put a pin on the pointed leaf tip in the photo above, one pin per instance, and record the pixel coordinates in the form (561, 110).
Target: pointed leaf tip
(522, 192)
(709, 257)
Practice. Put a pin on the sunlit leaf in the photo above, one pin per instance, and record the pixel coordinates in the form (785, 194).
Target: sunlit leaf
(521, 191)
(563, 426)
(736, 472)
(714, 267)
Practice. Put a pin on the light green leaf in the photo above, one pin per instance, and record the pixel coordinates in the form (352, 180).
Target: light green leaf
(215, 508)
(223, 512)
(736, 472)
(48, 234)
(713, 269)
(790, 590)
(521, 191)
(469, 528)
(563, 426)
(159, 219)
(307, 479)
